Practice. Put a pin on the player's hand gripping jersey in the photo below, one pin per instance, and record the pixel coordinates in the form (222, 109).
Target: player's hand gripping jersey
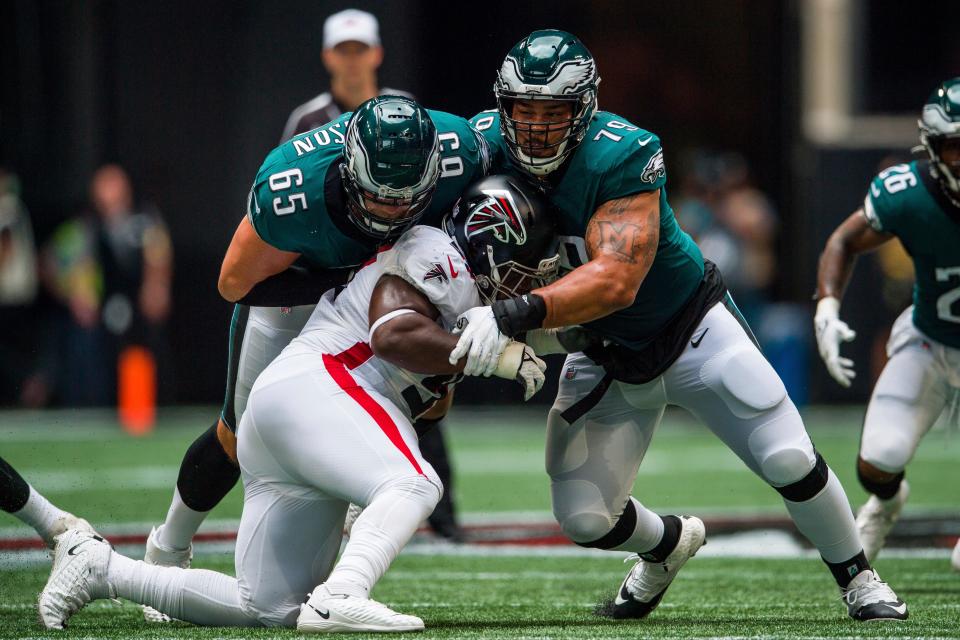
(339, 327)
(908, 202)
(297, 203)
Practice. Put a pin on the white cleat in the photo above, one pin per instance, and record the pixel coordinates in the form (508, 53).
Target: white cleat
(163, 557)
(645, 584)
(63, 524)
(326, 612)
(877, 517)
(78, 575)
(870, 598)
(955, 557)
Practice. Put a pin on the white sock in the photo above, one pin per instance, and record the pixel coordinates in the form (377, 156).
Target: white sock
(40, 514)
(194, 595)
(646, 534)
(826, 520)
(181, 524)
(379, 533)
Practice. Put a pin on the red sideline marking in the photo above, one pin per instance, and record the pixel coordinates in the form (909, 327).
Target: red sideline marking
(337, 368)
(24, 544)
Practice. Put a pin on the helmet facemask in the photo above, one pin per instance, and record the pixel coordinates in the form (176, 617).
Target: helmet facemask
(940, 133)
(546, 65)
(510, 279)
(368, 180)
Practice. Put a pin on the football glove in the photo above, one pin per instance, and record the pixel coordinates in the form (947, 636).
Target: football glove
(831, 332)
(519, 362)
(480, 340)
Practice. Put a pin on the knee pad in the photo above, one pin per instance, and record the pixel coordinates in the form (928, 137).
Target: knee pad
(810, 485)
(883, 490)
(582, 525)
(206, 474)
(580, 510)
(744, 380)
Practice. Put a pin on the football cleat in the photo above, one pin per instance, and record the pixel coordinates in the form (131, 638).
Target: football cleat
(326, 612)
(78, 575)
(877, 517)
(870, 598)
(163, 557)
(645, 584)
(63, 524)
(955, 557)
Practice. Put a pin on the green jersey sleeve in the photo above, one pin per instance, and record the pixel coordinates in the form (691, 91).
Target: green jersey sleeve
(891, 197)
(487, 123)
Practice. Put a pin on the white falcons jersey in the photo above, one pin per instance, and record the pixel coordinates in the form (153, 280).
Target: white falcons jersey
(427, 259)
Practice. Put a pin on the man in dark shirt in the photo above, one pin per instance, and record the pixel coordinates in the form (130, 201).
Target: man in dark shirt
(351, 54)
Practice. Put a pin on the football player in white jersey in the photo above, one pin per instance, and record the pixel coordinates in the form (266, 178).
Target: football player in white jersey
(329, 422)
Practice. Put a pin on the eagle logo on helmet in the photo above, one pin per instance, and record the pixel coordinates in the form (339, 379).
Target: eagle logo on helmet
(498, 214)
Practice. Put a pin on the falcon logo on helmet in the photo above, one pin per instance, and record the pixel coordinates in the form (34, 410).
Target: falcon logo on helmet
(507, 234)
(499, 215)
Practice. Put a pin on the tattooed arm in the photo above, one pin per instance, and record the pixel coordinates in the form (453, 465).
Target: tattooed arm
(621, 241)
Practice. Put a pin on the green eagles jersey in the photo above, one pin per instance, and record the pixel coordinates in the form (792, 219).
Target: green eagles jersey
(297, 203)
(615, 159)
(906, 201)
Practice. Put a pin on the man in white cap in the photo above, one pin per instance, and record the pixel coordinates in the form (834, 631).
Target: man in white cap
(351, 54)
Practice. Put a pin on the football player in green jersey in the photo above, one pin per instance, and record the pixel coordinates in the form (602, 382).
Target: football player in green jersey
(670, 332)
(325, 200)
(919, 203)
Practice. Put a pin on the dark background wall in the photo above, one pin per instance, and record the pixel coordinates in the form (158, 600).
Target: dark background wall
(190, 96)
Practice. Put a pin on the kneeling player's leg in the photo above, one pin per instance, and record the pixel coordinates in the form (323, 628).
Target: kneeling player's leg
(209, 468)
(22, 501)
(906, 401)
(322, 429)
(728, 384)
(595, 442)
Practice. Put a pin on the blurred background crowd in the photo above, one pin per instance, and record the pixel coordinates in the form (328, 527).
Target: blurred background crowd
(129, 135)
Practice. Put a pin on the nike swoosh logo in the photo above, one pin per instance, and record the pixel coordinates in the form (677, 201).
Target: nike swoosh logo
(902, 609)
(696, 343)
(623, 597)
(453, 272)
(644, 143)
(70, 551)
(323, 614)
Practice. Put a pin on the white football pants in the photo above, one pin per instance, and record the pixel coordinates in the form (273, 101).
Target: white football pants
(595, 447)
(314, 438)
(918, 381)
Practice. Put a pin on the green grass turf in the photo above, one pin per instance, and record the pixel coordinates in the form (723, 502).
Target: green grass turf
(83, 462)
(535, 597)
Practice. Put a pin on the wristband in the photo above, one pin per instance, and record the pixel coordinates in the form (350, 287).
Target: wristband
(519, 314)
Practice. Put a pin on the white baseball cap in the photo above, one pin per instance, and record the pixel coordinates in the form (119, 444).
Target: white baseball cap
(351, 25)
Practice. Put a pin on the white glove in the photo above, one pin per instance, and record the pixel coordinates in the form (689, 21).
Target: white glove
(520, 363)
(480, 340)
(831, 331)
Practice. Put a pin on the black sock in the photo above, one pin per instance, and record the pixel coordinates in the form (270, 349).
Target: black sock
(206, 474)
(14, 490)
(844, 572)
(883, 490)
(671, 536)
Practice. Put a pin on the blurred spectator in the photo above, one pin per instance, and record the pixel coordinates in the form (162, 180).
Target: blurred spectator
(351, 54)
(735, 225)
(18, 287)
(111, 270)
